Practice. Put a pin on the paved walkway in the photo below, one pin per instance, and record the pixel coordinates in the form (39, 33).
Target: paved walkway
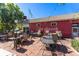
(6, 53)
(35, 47)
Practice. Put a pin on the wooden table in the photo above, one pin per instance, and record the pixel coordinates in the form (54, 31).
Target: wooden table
(14, 39)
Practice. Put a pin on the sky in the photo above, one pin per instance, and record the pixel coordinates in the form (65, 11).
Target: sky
(40, 10)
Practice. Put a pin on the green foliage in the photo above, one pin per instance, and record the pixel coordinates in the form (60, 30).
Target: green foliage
(8, 14)
(75, 44)
(19, 25)
(2, 27)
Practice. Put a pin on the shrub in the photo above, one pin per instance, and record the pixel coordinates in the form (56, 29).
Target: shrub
(75, 44)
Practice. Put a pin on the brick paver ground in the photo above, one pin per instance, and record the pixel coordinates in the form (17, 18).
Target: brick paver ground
(35, 47)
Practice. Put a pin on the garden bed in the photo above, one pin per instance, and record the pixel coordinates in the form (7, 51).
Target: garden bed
(75, 44)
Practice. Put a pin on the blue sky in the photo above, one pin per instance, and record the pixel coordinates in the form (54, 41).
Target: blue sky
(40, 10)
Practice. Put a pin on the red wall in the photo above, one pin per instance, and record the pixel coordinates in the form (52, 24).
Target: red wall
(43, 26)
(64, 26)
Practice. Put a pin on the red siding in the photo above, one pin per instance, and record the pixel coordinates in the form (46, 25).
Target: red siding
(75, 21)
(64, 26)
(43, 26)
(32, 27)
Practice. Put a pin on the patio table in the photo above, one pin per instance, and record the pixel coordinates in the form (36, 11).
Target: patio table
(13, 38)
(47, 40)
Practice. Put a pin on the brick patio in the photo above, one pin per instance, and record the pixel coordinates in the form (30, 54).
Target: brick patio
(35, 47)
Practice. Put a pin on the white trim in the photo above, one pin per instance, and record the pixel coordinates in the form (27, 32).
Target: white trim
(74, 33)
(74, 16)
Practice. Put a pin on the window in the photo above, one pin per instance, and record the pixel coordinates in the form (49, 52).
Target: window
(75, 25)
(75, 29)
(37, 24)
(54, 24)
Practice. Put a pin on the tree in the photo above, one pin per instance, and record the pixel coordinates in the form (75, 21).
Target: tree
(9, 13)
(1, 19)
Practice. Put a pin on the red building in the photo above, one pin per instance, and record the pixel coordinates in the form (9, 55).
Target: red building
(68, 24)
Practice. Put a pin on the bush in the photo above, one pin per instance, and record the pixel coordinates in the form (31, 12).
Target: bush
(1, 27)
(75, 44)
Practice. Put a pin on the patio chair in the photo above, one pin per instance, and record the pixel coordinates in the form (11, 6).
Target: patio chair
(55, 38)
(59, 34)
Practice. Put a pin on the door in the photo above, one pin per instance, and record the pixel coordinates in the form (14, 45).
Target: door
(75, 30)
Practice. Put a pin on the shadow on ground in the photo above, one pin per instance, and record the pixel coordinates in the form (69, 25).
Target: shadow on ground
(27, 42)
(58, 48)
(21, 50)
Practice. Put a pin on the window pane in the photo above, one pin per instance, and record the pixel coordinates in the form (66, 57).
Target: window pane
(74, 29)
(54, 24)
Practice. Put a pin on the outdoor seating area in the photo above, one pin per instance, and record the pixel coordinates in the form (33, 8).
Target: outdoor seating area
(35, 47)
(48, 36)
(50, 44)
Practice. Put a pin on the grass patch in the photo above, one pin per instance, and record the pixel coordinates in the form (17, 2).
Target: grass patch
(75, 44)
